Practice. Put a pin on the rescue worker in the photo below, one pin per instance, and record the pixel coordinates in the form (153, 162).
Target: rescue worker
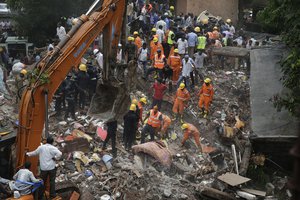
(153, 35)
(137, 110)
(130, 50)
(170, 41)
(181, 98)
(158, 65)
(171, 12)
(112, 125)
(153, 124)
(48, 154)
(92, 72)
(216, 34)
(154, 47)
(130, 127)
(165, 125)
(206, 95)
(137, 40)
(141, 105)
(159, 90)
(176, 66)
(201, 40)
(82, 84)
(70, 91)
(24, 179)
(191, 130)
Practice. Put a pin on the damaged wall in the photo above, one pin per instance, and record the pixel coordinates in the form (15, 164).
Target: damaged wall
(224, 8)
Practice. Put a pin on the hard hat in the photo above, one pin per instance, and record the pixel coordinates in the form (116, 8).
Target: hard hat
(82, 67)
(155, 39)
(176, 51)
(132, 107)
(184, 126)
(153, 29)
(171, 7)
(95, 51)
(23, 71)
(166, 14)
(135, 33)
(197, 29)
(204, 21)
(228, 21)
(207, 80)
(155, 107)
(182, 85)
(144, 100)
(135, 102)
(215, 28)
(130, 38)
(119, 45)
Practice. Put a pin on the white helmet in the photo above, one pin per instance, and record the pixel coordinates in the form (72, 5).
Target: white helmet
(95, 51)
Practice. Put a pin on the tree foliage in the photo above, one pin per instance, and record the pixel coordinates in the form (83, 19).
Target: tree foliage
(283, 16)
(38, 19)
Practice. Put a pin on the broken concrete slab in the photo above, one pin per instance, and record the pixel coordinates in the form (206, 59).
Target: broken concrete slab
(233, 179)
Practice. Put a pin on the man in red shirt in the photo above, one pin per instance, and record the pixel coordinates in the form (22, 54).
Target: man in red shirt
(159, 91)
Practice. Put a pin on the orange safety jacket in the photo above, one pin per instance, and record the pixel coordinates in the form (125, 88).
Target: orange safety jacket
(182, 95)
(175, 61)
(154, 48)
(154, 120)
(207, 91)
(215, 35)
(138, 42)
(159, 62)
(192, 129)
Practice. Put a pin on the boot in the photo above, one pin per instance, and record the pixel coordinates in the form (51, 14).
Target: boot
(174, 117)
(205, 114)
(181, 119)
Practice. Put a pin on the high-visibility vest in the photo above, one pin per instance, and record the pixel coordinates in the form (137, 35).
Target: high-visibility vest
(170, 41)
(201, 42)
(215, 35)
(153, 119)
(159, 61)
(207, 91)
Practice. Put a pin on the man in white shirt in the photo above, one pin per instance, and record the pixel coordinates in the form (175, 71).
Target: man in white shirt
(160, 34)
(182, 46)
(60, 31)
(162, 23)
(143, 55)
(99, 58)
(187, 69)
(48, 154)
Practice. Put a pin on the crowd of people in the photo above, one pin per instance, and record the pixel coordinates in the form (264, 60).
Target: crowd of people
(172, 52)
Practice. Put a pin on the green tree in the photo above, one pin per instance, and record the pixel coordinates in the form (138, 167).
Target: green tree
(38, 19)
(282, 16)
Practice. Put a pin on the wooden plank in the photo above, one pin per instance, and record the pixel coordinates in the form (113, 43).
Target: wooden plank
(231, 51)
(233, 179)
(216, 194)
(255, 192)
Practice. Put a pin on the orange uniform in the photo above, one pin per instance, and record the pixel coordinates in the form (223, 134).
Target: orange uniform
(138, 42)
(154, 119)
(206, 95)
(166, 123)
(181, 97)
(191, 130)
(154, 48)
(215, 35)
(159, 62)
(176, 65)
